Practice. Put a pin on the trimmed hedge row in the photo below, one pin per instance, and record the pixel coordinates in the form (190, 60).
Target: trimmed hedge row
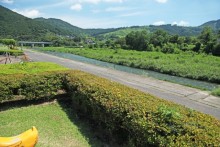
(139, 119)
(34, 86)
(130, 117)
(12, 52)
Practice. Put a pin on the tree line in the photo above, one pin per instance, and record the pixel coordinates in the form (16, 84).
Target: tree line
(206, 42)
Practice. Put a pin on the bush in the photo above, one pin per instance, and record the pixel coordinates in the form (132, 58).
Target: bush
(216, 50)
(134, 118)
(130, 117)
(12, 52)
(35, 86)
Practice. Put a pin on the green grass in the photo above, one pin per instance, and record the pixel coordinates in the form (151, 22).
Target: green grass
(3, 47)
(189, 65)
(55, 127)
(29, 68)
(15, 52)
(216, 92)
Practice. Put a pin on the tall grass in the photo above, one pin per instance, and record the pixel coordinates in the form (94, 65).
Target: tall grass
(190, 65)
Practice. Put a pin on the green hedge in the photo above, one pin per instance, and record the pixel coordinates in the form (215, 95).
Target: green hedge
(138, 119)
(12, 52)
(26, 86)
(130, 117)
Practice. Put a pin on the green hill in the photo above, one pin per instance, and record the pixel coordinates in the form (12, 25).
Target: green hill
(180, 30)
(61, 27)
(215, 24)
(96, 32)
(14, 25)
(19, 27)
(171, 29)
(121, 32)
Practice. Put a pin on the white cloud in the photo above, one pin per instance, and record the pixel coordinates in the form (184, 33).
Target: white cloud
(175, 23)
(161, 1)
(158, 23)
(31, 13)
(181, 23)
(7, 1)
(76, 7)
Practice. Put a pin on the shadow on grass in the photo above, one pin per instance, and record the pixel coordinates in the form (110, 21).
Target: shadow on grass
(84, 126)
(63, 100)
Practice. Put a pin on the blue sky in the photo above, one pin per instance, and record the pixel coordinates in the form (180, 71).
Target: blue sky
(119, 13)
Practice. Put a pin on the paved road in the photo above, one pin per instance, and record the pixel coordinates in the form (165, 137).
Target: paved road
(193, 98)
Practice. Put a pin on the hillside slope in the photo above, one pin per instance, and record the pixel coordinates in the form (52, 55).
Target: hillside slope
(14, 25)
(19, 27)
(215, 24)
(61, 27)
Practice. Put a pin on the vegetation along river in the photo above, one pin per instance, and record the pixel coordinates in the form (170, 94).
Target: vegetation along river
(160, 76)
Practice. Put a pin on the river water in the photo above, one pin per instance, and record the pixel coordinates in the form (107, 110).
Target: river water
(160, 76)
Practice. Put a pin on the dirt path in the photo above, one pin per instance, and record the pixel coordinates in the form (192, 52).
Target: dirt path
(12, 58)
(190, 97)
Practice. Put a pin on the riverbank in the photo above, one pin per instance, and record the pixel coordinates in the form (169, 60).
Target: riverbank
(189, 65)
(148, 73)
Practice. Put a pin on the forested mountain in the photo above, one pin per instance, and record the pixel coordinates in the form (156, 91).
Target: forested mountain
(122, 32)
(180, 30)
(14, 25)
(215, 24)
(171, 29)
(61, 27)
(96, 32)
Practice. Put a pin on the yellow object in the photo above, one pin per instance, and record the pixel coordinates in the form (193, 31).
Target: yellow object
(27, 139)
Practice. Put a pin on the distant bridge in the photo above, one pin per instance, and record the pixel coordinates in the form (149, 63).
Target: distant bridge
(32, 43)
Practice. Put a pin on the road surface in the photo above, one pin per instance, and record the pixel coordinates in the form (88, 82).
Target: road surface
(189, 97)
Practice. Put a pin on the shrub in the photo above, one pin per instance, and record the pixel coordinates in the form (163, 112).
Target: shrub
(130, 117)
(12, 52)
(216, 50)
(29, 87)
(139, 119)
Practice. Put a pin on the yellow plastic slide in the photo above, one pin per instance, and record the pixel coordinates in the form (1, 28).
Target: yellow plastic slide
(26, 139)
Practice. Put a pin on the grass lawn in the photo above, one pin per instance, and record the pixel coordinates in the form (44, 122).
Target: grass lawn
(3, 47)
(55, 127)
(29, 68)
